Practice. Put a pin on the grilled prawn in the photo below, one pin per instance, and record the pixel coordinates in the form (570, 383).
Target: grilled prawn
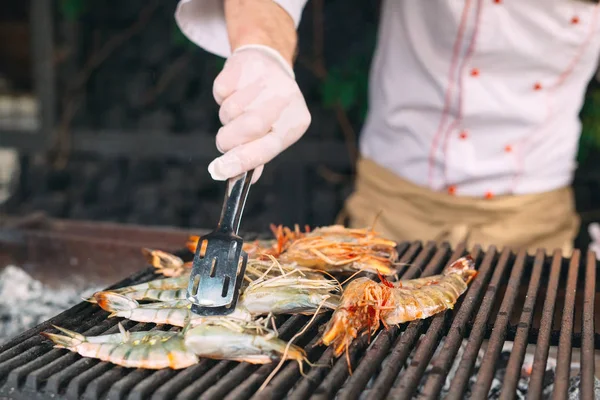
(366, 303)
(337, 249)
(164, 289)
(277, 295)
(259, 273)
(261, 249)
(176, 312)
(219, 339)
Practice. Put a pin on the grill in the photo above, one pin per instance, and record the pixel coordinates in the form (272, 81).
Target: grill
(544, 299)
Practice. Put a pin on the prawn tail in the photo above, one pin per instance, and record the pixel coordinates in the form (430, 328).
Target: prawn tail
(69, 340)
(115, 302)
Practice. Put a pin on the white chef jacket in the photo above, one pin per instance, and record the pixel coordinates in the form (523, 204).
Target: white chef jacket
(470, 97)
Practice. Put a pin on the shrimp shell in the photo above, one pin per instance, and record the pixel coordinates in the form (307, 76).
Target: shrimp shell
(176, 313)
(221, 339)
(366, 303)
(149, 350)
(338, 249)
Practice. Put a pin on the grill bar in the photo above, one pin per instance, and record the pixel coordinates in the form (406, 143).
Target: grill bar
(513, 369)
(442, 364)
(31, 369)
(406, 341)
(285, 379)
(463, 372)
(316, 375)
(486, 373)
(412, 375)
(240, 373)
(587, 340)
(340, 370)
(543, 341)
(561, 386)
(381, 344)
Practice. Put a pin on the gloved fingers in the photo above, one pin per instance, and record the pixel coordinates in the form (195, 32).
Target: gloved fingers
(263, 94)
(249, 126)
(250, 155)
(239, 72)
(246, 128)
(257, 174)
(293, 121)
(225, 83)
(594, 232)
(237, 102)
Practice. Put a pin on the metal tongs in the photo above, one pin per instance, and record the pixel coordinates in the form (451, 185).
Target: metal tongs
(220, 263)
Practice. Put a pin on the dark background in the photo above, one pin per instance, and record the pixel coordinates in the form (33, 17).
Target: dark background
(124, 69)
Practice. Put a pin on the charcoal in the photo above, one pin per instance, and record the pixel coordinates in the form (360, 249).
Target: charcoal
(146, 218)
(205, 185)
(574, 384)
(178, 87)
(137, 87)
(81, 211)
(108, 187)
(36, 179)
(197, 115)
(199, 218)
(144, 171)
(58, 180)
(115, 118)
(84, 172)
(174, 179)
(26, 302)
(146, 198)
(160, 121)
(54, 204)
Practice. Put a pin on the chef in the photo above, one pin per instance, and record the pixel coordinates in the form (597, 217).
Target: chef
(472, 130)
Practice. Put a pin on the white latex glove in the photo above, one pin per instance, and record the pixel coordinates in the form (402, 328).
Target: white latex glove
(594, 232)
(262, 111)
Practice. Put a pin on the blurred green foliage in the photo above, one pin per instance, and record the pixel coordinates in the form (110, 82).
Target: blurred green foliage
(72, 10)
(178, 39)
(347, 86)
(590, 120)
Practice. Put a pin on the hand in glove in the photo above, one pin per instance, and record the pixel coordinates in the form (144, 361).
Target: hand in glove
(594, 232)
(262, 111)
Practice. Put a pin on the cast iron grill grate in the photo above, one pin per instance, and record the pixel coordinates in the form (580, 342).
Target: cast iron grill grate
(544, 299)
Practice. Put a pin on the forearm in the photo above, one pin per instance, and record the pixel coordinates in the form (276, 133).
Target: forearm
(261, 22)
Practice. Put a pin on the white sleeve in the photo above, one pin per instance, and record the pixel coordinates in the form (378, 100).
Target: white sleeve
(203, 22)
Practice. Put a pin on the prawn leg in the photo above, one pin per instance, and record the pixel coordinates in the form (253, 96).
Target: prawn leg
(167, 264)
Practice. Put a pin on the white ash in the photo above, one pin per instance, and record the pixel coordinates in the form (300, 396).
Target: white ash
(25, 302)
(501, 364)
(574, 392)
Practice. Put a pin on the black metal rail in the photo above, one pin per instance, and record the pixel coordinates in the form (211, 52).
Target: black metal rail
(393, 363)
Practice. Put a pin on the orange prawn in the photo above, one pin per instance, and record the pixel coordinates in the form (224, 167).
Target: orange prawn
(365, 303)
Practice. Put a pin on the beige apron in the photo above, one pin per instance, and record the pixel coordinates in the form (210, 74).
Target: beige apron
(410, 212)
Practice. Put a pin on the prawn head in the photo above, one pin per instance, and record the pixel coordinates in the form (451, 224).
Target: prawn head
(359, 312)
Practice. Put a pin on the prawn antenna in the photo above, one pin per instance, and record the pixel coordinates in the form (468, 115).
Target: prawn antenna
(348, 359)
(353, 275)
(289, 344)
(375, 220)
